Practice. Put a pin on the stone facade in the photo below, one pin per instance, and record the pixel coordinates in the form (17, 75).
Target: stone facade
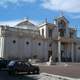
(26, 40)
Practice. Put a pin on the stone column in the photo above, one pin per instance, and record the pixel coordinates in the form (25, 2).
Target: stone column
(59, 51)
(72, 52)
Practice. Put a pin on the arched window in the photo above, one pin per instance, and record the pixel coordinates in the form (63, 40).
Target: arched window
(61, 26)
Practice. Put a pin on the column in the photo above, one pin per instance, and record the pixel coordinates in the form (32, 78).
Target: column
(59, 51)
(72, 52)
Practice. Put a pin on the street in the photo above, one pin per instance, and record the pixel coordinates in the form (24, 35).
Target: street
(5, 76)
(42, 76)
(52, 72)
(64, 69)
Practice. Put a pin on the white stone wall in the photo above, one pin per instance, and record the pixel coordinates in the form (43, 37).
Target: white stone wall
(78, 52)
(55, 33)
(39, 50)
(45, 31)
(10, 48)
(27, 48)
(23, 50)
(19, 49)
(55, 50)
(1, 47)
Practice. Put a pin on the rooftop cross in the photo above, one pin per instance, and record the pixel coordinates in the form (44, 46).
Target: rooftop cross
(25, 19)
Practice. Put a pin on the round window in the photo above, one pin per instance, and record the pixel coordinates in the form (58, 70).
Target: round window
(39, 44)
(27, 43)
(14, 41)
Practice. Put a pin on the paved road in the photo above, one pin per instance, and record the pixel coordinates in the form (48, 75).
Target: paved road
(5, 76)
(70, 70)
(42, 76)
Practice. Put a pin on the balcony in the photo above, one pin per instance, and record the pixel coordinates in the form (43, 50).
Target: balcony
(64, 39)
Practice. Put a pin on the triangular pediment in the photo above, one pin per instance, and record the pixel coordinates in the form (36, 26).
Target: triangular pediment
(25, 23)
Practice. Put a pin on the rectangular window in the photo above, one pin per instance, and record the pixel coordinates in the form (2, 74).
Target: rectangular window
(42, 32)
(50, 33)
(62, 34)
(71, 35)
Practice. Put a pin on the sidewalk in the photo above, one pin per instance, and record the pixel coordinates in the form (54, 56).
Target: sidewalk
(46, 76)
(64, 69)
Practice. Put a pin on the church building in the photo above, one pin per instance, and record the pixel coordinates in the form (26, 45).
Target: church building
(26, 40)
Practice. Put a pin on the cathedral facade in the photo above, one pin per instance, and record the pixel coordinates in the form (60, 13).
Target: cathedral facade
(26, 40)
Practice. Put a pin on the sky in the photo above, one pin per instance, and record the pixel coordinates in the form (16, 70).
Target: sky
(12, 11)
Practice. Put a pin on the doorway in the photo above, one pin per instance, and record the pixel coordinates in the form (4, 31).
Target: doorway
(62, 56)
(49, 54)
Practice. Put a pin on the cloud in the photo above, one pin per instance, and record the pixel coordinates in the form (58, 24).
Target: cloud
(36, 22)
(64, 5)
(10, 23)
(5, 3)
(15, 22)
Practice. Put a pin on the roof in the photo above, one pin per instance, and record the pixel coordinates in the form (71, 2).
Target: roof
(46, 23)
(62, 17)
(26, 24)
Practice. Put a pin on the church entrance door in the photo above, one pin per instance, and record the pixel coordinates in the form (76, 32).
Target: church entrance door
(49, 54)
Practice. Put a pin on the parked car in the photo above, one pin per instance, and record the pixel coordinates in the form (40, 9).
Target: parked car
(14, 67)
(3, 63)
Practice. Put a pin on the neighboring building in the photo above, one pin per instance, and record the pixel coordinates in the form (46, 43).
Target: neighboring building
(25, 40)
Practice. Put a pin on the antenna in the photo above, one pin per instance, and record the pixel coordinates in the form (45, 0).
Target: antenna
(46, 20)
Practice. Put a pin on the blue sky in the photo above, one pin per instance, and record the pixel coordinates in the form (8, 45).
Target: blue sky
(37, 10)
